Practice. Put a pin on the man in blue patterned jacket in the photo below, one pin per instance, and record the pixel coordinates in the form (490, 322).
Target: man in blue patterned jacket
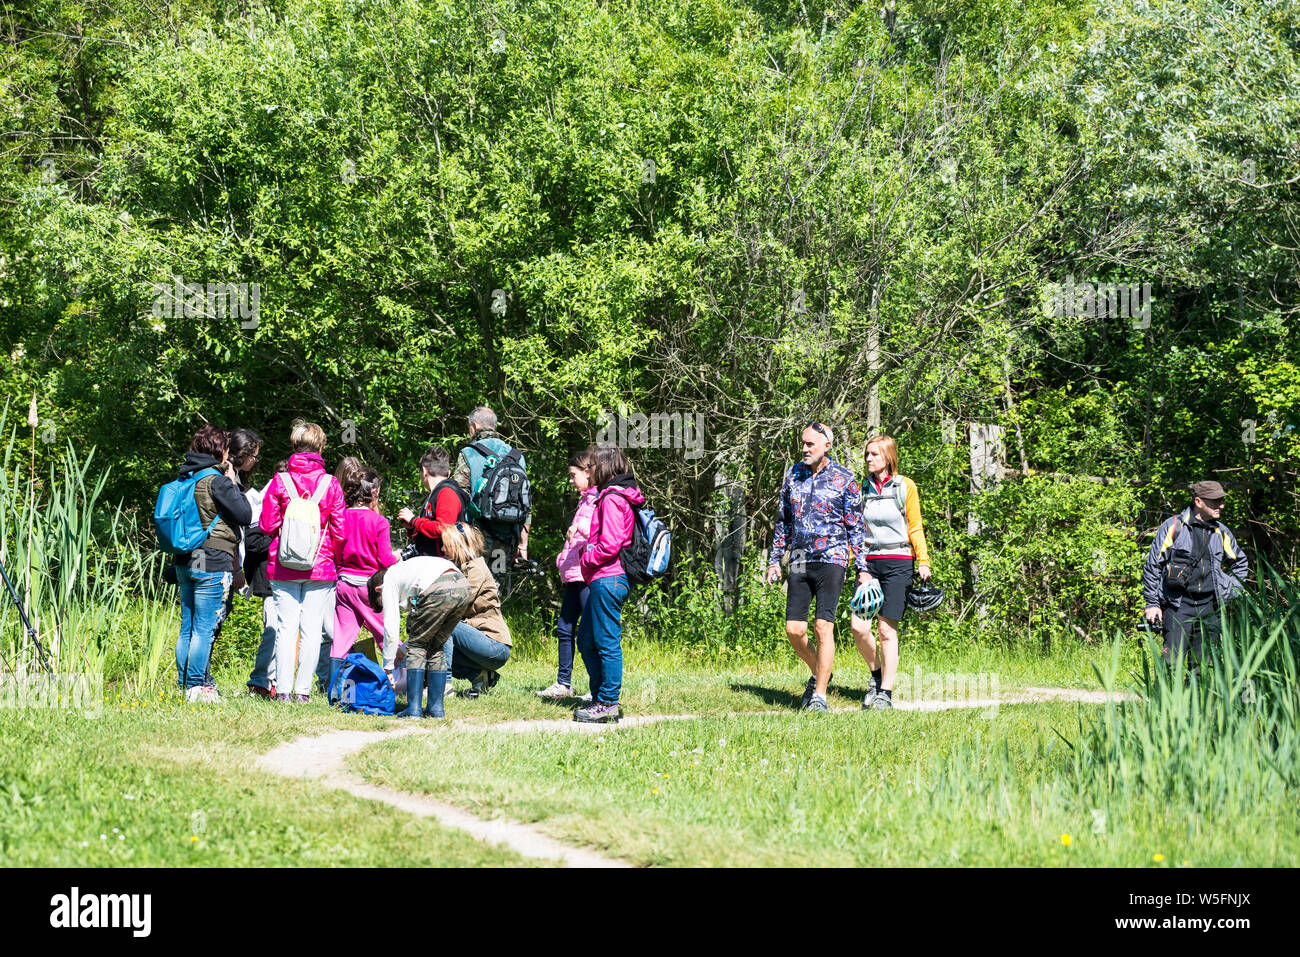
(819, 525)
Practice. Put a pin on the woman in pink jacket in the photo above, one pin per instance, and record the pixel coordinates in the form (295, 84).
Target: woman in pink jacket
(302, 598)
(600, 635)
(569, 562)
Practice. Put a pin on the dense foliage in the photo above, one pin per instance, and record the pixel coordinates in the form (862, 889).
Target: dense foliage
(756, 213)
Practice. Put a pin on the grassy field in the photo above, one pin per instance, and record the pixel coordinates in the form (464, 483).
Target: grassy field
(750, 781)
(160, 783)
(858, 789)
(1189, 773)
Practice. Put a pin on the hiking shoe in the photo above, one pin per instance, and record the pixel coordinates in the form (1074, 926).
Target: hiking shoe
(598, 712)
(817, 703)
(873, 689)
(810, 688)
(878, 703)
(301, 698)
(473, 691)
(282, 697)
(492, 678)
(555, 691)
(257, 691)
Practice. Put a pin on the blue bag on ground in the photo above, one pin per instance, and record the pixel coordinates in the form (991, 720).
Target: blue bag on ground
(176, 515)
(361, 685)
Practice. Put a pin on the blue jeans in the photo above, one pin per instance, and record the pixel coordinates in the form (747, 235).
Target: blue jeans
(203, 603)
(474, 652)
(575, 600)
(600, 637)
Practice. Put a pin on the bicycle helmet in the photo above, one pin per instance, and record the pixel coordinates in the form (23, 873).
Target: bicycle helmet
(925, 597)
(868, 599)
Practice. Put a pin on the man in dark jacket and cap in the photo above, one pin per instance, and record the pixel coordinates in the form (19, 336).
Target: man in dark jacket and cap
(1184, 581)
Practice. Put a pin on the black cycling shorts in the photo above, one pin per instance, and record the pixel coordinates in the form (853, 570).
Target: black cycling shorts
(823, 579)
(895, 578)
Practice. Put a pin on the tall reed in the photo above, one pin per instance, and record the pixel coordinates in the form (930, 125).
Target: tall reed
(1226, 734)
(94, 591)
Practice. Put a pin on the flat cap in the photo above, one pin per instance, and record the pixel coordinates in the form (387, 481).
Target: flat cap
(1208, 490)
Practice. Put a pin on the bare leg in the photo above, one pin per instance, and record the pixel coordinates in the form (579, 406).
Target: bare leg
(825, 653)
(888, 652)
(865, 639)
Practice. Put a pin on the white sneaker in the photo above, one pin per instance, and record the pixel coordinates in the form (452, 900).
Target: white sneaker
(192, 693)
(556, 690)
(585, 697)
(208, 694)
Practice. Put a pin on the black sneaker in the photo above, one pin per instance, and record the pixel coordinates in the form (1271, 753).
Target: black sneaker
(817, 703)
(873, 689)
(809, 688)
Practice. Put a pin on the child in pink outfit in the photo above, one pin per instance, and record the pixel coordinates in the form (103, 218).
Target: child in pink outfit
(366, 548)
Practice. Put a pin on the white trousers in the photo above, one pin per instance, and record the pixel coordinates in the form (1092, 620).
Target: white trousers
(300, 609)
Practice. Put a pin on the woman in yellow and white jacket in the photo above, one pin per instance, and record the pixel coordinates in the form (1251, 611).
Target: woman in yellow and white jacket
(891, 511)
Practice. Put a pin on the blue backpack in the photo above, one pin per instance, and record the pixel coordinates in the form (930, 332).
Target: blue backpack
(649, 554)
(361, 685)
(176, 515)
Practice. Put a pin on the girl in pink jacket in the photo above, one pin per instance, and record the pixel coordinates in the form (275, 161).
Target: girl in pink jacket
(569, 562)
(600, 634)
(302, 598)
(367, 547)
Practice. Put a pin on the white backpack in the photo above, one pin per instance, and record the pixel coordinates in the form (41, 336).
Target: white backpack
(300, 533)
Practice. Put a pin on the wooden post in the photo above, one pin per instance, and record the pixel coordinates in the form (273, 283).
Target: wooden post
(986, 468)
(730, 530)
(873, 364)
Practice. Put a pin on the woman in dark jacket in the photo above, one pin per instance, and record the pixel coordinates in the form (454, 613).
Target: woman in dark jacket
(204, 576)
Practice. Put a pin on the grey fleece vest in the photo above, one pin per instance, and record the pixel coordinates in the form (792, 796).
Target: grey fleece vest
(885, 519)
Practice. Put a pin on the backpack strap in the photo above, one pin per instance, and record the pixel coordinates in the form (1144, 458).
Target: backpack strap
(321, 488)
(1169, 536)
(1228, 550)
(636, 512)
(461, 496)
(216, 517)
(487, 453)
(900, 494)
(287, 482)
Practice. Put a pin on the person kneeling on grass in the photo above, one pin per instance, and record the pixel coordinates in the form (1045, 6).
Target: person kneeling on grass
(435, 596)
(480, 645)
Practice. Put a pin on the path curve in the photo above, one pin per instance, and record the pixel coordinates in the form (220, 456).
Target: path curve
(321, 758)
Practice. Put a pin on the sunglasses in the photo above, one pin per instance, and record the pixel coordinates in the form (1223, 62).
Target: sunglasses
(818, 427)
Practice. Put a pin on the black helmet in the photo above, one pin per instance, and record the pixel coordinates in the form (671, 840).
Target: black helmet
(925, 597)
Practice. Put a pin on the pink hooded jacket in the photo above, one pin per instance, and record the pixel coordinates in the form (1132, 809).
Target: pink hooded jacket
(306, 469)
(612, 523)
(569, 561)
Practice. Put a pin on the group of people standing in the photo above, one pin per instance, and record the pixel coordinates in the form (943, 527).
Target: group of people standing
(313, 611)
